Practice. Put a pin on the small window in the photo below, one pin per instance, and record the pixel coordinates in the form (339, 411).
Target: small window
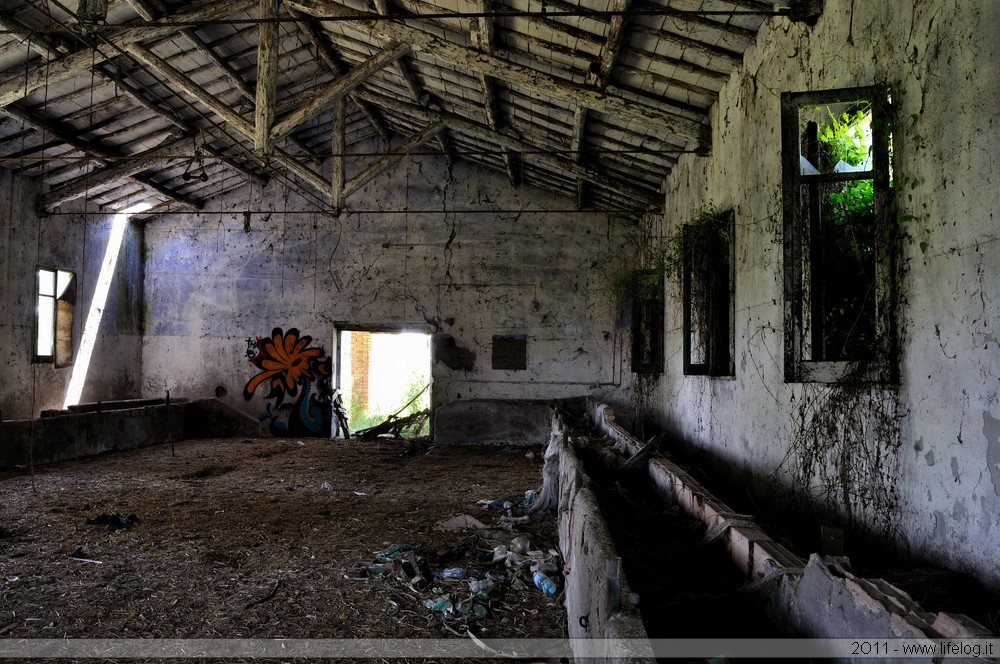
(54, 317)
(839, 237)
(708, 295)
(647, 322)
(510, 352)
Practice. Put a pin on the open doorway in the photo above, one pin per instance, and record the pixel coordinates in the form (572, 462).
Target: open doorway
(385, 381)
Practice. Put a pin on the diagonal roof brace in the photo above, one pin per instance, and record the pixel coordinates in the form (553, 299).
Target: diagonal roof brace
(19, 86)
(135, 164)
(338, 89)
(607, 101)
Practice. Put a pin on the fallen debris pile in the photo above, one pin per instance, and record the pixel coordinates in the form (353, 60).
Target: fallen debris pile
(468, 581)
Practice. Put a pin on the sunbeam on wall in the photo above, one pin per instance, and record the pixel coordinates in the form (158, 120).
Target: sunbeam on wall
(94, 316)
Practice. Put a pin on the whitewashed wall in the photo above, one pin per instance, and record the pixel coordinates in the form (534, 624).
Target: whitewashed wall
(936, 490)
(460, 253)
(73, 240)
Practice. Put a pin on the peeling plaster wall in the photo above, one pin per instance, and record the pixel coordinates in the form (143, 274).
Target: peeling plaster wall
(73, 240)
(460, 254)
(939, 477)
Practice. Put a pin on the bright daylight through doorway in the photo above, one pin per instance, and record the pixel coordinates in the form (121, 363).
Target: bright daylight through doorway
(383, 375)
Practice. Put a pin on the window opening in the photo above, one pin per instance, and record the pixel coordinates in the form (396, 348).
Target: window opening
(54, 317)
(838, 235)
(383, 374)
(647, 322)
(510, 352)
(708, 295)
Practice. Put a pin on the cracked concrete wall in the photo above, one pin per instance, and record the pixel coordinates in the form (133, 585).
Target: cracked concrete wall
(457, 253)
(937, 485)
(74, 239)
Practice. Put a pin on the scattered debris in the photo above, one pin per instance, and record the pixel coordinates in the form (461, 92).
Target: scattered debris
(460, 522)
(466, 579)
(113, 522)
(80, 555)
(266, 598)
(394, 426)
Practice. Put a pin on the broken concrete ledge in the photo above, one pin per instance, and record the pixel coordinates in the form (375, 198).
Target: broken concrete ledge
(70, 435)
(821, 598)
(603, 620)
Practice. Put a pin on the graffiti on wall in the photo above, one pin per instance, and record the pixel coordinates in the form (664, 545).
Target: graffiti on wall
(298, 378)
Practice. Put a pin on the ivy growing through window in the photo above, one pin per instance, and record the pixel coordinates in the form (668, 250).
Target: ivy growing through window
(839, 238)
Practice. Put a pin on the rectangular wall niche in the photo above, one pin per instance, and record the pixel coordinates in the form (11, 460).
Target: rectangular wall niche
(510, 352)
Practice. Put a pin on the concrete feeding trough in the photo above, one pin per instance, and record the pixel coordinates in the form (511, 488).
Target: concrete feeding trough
(816, 598)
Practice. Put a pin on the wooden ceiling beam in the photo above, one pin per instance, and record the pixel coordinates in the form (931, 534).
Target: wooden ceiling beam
(415, 141)
(149, 10)
(417, 91)
(117, 171)
(648, 116)
(482, 34)
(66, 67)
(268, 50)
(337, 179)
(314, 35)
(537, 153)
(612, 45)
(66, 136)
(338, 89)
(242, 86)
(189, 87)
(234, 120)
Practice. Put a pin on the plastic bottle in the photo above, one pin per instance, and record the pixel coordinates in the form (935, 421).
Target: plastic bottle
(544, 583)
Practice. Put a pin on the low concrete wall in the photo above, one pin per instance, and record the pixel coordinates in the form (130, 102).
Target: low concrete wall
(603, 621)
(71, 435)
(821, 598)
(492, 422)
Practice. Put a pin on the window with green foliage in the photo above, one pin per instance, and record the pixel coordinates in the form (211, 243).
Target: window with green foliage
(707, 272)
(839, 237)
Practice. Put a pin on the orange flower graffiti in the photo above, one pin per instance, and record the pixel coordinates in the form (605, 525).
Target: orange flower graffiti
(286, 362)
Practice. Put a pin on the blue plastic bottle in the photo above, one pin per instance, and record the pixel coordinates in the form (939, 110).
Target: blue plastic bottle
(544, 583)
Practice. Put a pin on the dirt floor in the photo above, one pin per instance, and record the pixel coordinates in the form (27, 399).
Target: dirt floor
(272, 538)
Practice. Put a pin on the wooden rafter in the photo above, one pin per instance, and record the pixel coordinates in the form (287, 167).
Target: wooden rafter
(267, 77)
(337, 179)
(415, 141)
(117, 171)
(599, 79)
(65, 135)
(186, 85)
(653, 117)
(488, 136)
(338, 89)
(410, 80)
(315, 37)
(79, 62)
(482, 38)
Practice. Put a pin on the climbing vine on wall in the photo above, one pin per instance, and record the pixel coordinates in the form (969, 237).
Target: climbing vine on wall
(844, 454)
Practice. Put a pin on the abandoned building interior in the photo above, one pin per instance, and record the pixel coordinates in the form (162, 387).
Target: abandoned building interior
(760, 233)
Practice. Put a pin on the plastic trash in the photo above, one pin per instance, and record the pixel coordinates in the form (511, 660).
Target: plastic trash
(393, 551)
(441, 606)
(480, 585)
(520, 544)
(544, 583)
